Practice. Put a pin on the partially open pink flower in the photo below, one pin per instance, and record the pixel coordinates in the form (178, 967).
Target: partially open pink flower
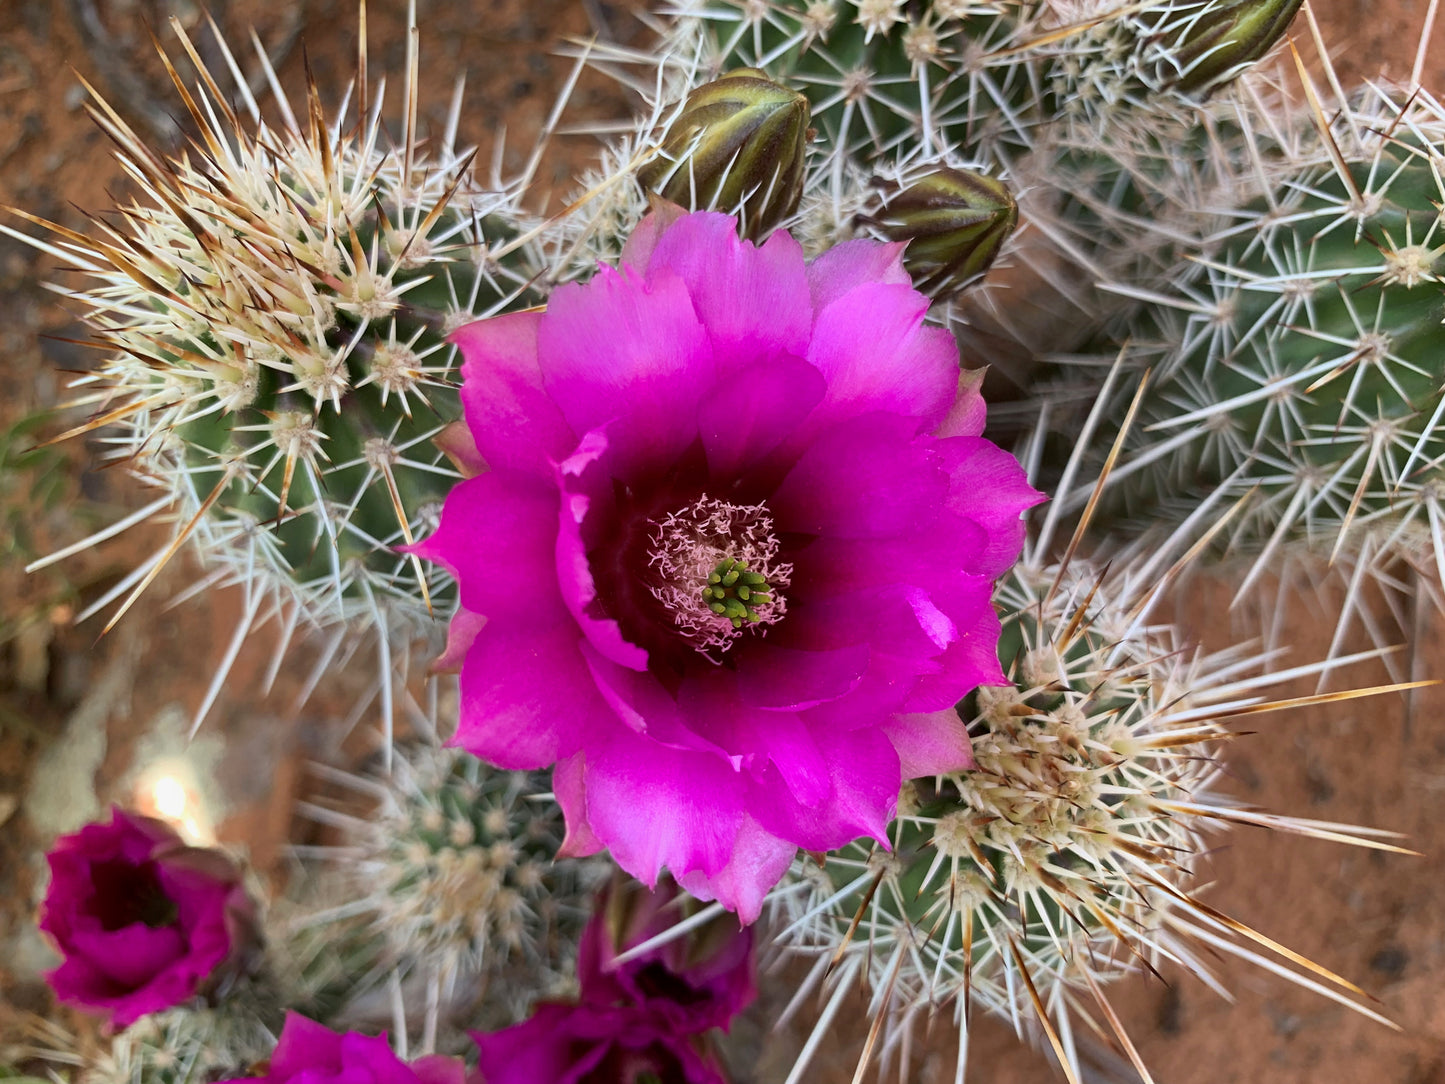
(144, 921)
(692, 983)
(309, 1053)
(730, 568)
(594, 1044)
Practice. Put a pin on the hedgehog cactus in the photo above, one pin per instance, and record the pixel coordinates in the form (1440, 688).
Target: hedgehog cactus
(278, 299)
(980, 76)
(1306, 366)
(180, 1046)
(1070, 856)
(454, 873)
(879, 74)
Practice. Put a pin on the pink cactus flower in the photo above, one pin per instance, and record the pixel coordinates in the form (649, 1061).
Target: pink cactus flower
(310, 1053)
(144, 921)
(594, 1044)
(730, 566)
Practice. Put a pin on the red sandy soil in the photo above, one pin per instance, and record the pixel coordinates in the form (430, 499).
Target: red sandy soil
(1377, 919)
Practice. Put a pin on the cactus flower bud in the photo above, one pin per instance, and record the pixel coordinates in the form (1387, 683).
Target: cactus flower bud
(955, 222)
(1215, 46)
(737, 146)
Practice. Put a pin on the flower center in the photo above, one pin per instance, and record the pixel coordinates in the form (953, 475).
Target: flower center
(714, 566)
(126, 894)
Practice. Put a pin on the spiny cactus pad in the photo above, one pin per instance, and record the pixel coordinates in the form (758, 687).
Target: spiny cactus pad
(1305, 364)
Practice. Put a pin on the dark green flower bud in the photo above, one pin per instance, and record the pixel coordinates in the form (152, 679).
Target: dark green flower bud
(1214, 47)
(737, 146)
(955, 221)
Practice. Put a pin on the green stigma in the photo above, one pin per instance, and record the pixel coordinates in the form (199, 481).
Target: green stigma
(732, 591)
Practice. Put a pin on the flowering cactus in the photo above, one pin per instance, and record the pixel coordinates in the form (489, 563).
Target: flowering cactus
(693, 983)
(954, 223)
(1067, 858)
(639, 1017)
(737, 146)
(452, 873)
(278, 299)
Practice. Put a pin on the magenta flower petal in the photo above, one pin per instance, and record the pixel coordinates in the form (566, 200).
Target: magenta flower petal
(524, 702)
(461, 634)
(501, 518)
(591, 1044)
(569, 784)
(574, 571)
(930, 744)
(756, 565)
(637, 251)
(133, 955)
(524, 683)
(968, 414)
(784, 679)
(646, 708)
(877, 355)
(846, 267)
(515, 425)
(309, 1053)
(750, 415)
(863, 766)
(693, 983)
(620, 349)
(836, 566)
(972, 656)
(730, 281)
(304, 1045)
(549, 1047)
(758, 862)
(893, 483)
(658, 807)
(990, 489)
(759, 738)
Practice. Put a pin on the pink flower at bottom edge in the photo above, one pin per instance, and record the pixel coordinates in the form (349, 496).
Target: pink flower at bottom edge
(592, 1044)
(698, 981)
(310, 1053)
(730, 568)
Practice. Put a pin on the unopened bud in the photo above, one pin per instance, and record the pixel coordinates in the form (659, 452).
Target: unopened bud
(737, 146)
(1216, 46)
(955, 222)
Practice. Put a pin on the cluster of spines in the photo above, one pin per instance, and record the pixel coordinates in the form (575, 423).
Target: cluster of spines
(1078, 108)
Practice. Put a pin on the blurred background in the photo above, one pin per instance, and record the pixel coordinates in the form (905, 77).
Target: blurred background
(86, 720)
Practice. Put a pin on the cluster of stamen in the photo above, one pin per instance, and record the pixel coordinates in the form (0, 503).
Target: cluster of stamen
(714, 566)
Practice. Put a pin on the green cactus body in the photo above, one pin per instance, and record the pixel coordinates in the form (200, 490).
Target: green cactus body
(330, 451)
(454, 876)
(189, 1045)
(1080, 108)
(279, 300)
(882, 76)
(1029, 858)
(1308, 366)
